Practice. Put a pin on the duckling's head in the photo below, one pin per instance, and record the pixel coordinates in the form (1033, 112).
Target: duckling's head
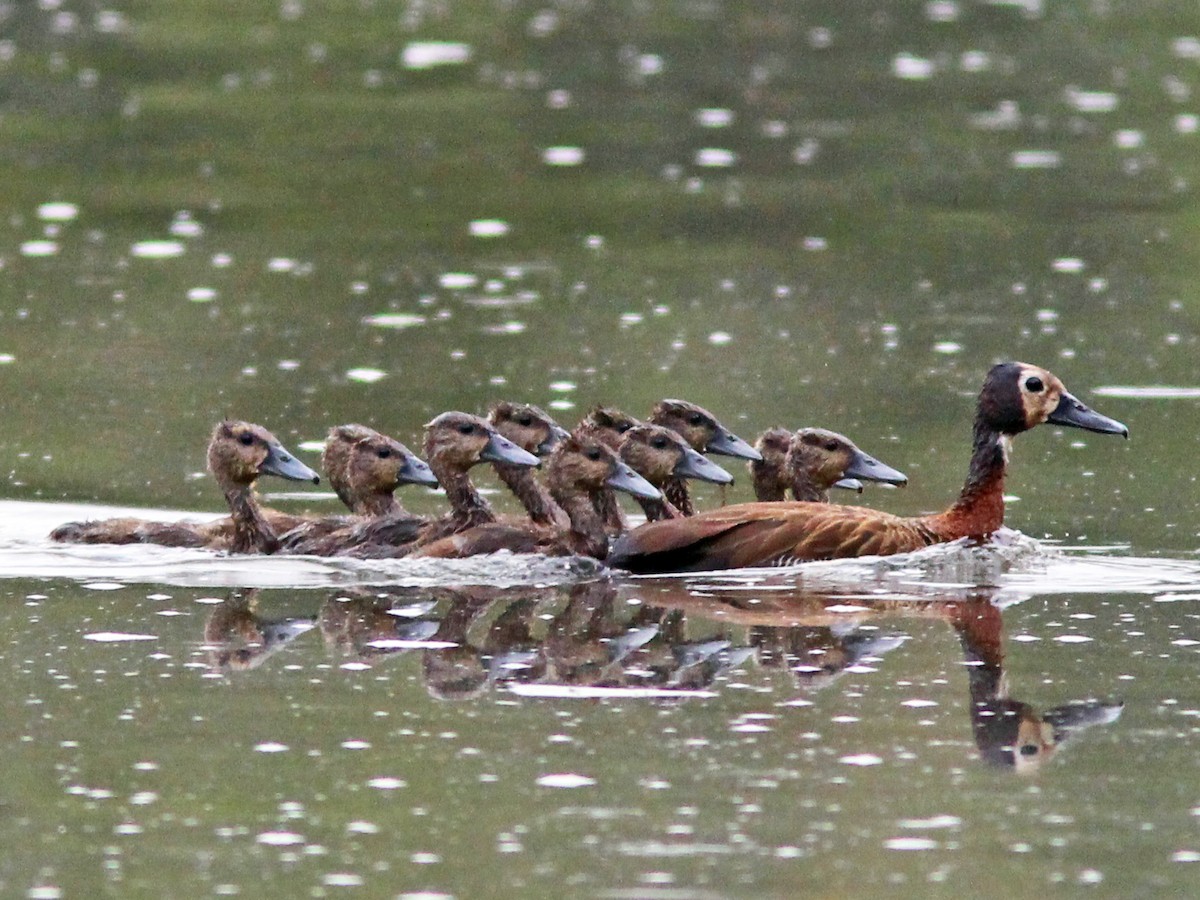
(336, 456)
(239, 452)
(1018, 396)
(527, 426)
(658, 454)
(585, 463)
(607, 423)
(823, 458)
(700, 429)
(769, 474)
(460, 440)
(379, 464)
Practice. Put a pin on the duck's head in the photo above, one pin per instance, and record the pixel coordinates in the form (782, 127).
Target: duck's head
(827, 458)
(658, 453)
(607, 423)
(461, 440)
(769, 473)
(700, 429)
(527, 426)
(1018, 396)
(339, 444)
(584, 462)
(239, 452)
(380, 464)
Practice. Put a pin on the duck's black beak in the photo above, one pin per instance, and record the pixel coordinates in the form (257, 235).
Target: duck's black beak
(693, 465)
(1074, 414)
(625, 479)
(849, 484)
(726, 443)
(416, 471)
(282, 464)
(500, 449)
(556, 436)
(868, 468)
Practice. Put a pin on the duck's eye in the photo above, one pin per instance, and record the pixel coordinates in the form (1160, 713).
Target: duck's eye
(593, 454)
(695, 419)
(1034, 385)
(246, 438)
(525, 421)
(383, 452)
(623, 427)
(831, 446)
(1028, 750)
(466, 428)
(659, 443)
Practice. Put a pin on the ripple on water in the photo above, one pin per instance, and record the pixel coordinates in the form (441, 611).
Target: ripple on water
(157, 249)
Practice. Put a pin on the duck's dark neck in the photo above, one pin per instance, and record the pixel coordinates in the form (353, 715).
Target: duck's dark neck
(657, 510)
(378, 504)
(676, 492)
(542, 508)
(252, 533)
(605, 502)
(466, 504)
(979, 509)
(805, 489)
(586, 536)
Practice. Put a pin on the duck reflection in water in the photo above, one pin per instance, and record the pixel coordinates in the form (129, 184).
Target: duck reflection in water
(237, 638)
(362, 626)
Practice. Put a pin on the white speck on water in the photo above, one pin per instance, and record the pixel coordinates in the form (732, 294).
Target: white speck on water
(103, 585)
(1068, 264)
(715, 158)
(845, 608)
(714, 118)
(562, 387)
(143, 798)
(394, 320)
(563, 156)
(6, 359)
(1129, 139)
(561, 404)
(280, 838)
(44, 892)
(418, 55)
(947, 347)
(39, 248)
(488, 228)
(127, 828)
(1187, 856)
(157, 249)
(565, 780)
(185, 226)
(57, 212)
(941, 11)
(1025, 638)
(510, 327)
(720, 338)
(271, 747)
(387, 783)
(361, 827)
(911, 67)
(910, 843)
(1073, 639)
(366, 376)
(355, 666)
(861, 759)
(918, 703)
(815, 244)
(280, 264)
(112, 637)
(1035, 159)
(944, 821)
(558, 99)
(975, 61)
(1148, 392)
(202, 294)
(457, 281)
(650, 64)
(356, 745)
(222, 260)
(1186, 47)
(1187, 123)
(1091, 101)
(342, 879)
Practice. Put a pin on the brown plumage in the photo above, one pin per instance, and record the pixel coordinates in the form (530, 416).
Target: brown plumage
(810, 462)
(579, 467)
(1015, 398)
(533, 430)
(704, 434)
(662, 456)
(607, 424)
(237, 454)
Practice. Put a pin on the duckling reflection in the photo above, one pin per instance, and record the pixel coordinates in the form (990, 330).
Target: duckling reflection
(364, 626)
(586, 642)
(817, 655)
(237, 638)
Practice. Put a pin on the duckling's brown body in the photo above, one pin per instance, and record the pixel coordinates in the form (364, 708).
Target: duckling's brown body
(1015, 398)
(704, 434)
(237, 454)
(607, 424)
(578, 469)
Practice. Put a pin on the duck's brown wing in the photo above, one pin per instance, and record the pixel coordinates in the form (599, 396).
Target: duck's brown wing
(490, 538)
(764, 534)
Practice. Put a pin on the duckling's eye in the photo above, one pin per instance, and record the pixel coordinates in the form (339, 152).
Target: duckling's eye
(1028, 750)
(466, 428)
(831, 446)
(695, 419)
(1033, 384)
(383, 452)
(246, 438)
(623, 427)
(525, 421)
(593, 454)
(659, 443)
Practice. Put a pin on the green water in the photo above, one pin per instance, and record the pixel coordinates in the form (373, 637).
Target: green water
(813, 214)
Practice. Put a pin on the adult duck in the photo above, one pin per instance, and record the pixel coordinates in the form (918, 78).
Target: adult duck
(704, 433)
(1015, 398)
(811, 462)
(238, 453)
(533, 430)
(579, 467)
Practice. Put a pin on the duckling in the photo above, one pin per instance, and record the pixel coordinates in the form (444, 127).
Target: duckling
(809, 463)
(335, 457)
(577, 470)
(531, 429)
(704, 433)
(368, 471)
(454, 443)
(237, 454)
(1015, 398)
(607, 424)
(661, 455)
